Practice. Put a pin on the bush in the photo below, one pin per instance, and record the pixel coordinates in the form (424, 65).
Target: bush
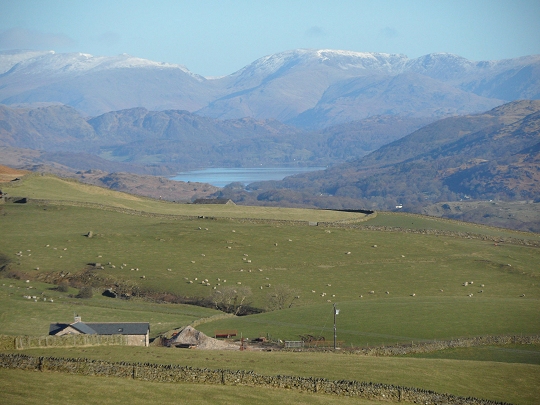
(85, 292)
(63, 287)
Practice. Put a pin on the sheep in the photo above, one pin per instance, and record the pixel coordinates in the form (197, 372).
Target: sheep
(312, 291)
(202, 254)
(328, 300)
(249, 261)
(441, 290)
(290, 240)
(387, 292)
(402, 255)
(193, 261)
(329, 285)
(361, 296)
(228, 247)
(374, 246)
(196, 278)
(413, 295)
(465, 284)
(348, 253)
(275, 244)
(333, 295)
(239, 282)
(233, 231)
(470, 295)
(481, 285)
(522, 295)
(372, 292)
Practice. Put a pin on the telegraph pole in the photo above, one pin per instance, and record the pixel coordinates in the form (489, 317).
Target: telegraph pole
(336, 311)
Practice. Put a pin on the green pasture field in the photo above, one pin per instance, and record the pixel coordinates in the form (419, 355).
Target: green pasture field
(58, 189)
(528, 354)
(414, 221)
(509, 382)
(417, 283)
(393, 320)
(75, 389)
(22, 316)
(169, 253)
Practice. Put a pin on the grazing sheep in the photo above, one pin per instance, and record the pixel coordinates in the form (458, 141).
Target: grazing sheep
(233, 230)
(328, 301)
(441, 290)
(193, 261)
(387, 292)
(470, 295)
(312, 291)
(249, 261)
(413, 295)
(290, 240)
(329, 285)
(522, 295)
(361, 296)
(228, 247)
(239, 282)
(348, 253)
(481, 285)
(202, 254)
(466, 283)
(374, 246)
(372, 292)
(275, 244)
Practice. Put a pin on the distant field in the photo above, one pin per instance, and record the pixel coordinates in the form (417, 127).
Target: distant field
(413, 221)
(54, 188)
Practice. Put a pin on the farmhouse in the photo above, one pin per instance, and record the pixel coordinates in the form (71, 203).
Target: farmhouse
(138, 333)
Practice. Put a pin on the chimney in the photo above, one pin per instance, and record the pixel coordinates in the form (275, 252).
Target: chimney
(77, 318)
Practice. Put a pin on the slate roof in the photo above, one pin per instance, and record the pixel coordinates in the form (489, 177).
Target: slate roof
(103, 328)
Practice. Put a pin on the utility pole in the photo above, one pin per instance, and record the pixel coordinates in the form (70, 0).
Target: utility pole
(336, 311)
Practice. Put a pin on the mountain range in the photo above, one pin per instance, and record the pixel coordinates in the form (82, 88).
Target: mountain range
(310, 89)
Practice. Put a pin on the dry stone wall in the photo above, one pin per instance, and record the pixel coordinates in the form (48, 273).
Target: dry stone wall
(30, 342)
(180, 374)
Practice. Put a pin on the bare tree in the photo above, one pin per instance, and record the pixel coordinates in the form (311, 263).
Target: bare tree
(282, 296)
(230, 299)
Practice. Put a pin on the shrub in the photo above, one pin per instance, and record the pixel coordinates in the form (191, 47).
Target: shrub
(63, 287)
(85, 292)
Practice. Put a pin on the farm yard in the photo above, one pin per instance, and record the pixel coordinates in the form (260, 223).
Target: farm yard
(396, 279)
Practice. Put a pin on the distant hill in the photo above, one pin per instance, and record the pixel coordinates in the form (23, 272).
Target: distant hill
(308, 88)
(162, 142)
(493, 155)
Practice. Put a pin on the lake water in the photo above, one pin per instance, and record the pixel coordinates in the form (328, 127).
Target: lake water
(221, 176)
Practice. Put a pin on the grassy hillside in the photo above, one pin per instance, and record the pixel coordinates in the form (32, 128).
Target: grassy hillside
(416, 280)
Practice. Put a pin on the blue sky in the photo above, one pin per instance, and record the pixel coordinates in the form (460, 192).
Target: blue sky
(214, 38)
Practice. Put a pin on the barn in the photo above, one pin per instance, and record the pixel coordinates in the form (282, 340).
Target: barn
(137, 333)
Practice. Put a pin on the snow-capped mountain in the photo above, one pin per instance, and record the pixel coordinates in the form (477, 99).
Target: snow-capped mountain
(307, 87)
